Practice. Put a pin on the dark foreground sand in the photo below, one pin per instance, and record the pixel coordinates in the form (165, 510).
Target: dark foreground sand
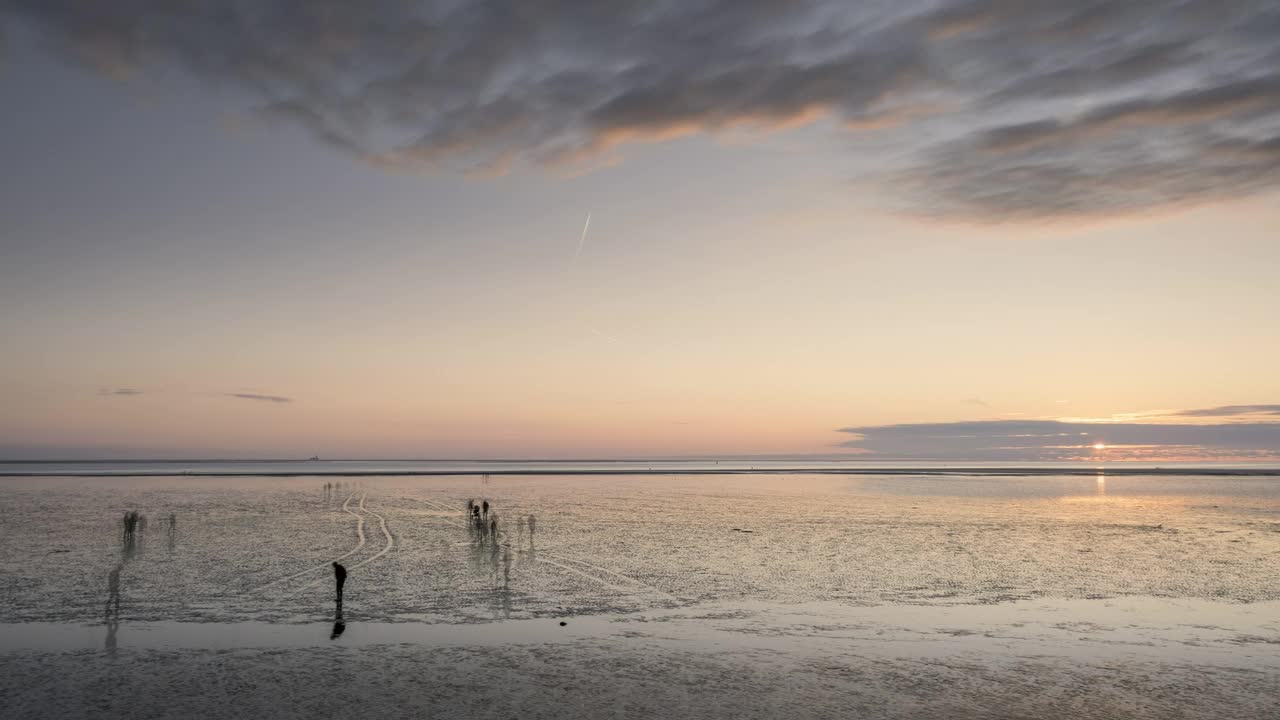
(1130, 659)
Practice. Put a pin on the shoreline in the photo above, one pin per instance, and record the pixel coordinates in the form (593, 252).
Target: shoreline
(976, 471)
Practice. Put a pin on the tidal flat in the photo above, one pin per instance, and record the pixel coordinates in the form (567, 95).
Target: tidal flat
(700, 596)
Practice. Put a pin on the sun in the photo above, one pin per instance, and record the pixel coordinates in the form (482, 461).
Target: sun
(1099, 446)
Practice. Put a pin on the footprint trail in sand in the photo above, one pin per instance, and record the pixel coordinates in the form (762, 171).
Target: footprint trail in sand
(346, 507)
(382, 523)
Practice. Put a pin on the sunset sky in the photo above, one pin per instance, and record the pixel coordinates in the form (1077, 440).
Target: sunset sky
(955, 230)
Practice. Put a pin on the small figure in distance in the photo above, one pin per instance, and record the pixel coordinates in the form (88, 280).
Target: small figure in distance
(485, 507)
(340, 577)
(471, 506)
(533, 524)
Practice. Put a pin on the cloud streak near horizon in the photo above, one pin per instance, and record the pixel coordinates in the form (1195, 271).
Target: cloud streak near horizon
(260, 397)
(1232, 411)
(972, 108)
(1035, 440)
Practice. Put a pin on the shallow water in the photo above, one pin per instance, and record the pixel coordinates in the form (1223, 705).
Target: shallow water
(893, 580)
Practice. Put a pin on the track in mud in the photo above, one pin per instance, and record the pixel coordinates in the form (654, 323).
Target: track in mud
(360, 544)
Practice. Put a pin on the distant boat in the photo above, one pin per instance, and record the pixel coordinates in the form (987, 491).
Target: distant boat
(313, 457)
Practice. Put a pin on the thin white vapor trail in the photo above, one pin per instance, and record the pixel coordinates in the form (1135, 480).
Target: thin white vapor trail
(583, 237)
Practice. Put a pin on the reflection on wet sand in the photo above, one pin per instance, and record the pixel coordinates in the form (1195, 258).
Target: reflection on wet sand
(112, 618)
(339, 624)
(502, 594)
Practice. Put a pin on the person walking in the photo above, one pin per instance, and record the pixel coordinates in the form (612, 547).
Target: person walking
(339, 577)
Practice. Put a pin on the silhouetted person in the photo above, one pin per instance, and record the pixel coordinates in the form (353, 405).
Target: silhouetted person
(131, 536)
(130, 524)
(340, 577)
(485, 507)
(471, 506)
(493, 528)
(533, 525)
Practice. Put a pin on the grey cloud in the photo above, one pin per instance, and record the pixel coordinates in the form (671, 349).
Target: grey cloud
(1058, 440)
(975, 108)
(1112, 69)
(1231, 410)
(120, 391)
(262, 398)
(1208, 104)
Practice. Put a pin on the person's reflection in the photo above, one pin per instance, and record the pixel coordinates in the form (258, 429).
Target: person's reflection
(113, 626)
(129, 550)
(113, 589)
(339, 625)
(112, 619)
(506, 583)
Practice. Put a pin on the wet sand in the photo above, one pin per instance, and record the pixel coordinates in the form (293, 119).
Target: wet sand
(711, 596)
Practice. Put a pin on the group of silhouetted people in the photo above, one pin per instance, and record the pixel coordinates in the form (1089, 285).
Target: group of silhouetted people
(133, 527)
(133, 523)
(330, 488)
(483, 521)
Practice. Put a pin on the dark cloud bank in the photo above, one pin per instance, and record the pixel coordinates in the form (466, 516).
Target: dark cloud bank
(1061, 440)
(981, 108)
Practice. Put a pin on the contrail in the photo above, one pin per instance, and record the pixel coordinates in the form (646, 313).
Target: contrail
(583, 238)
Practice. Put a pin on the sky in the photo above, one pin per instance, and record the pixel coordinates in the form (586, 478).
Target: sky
(970, 230)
